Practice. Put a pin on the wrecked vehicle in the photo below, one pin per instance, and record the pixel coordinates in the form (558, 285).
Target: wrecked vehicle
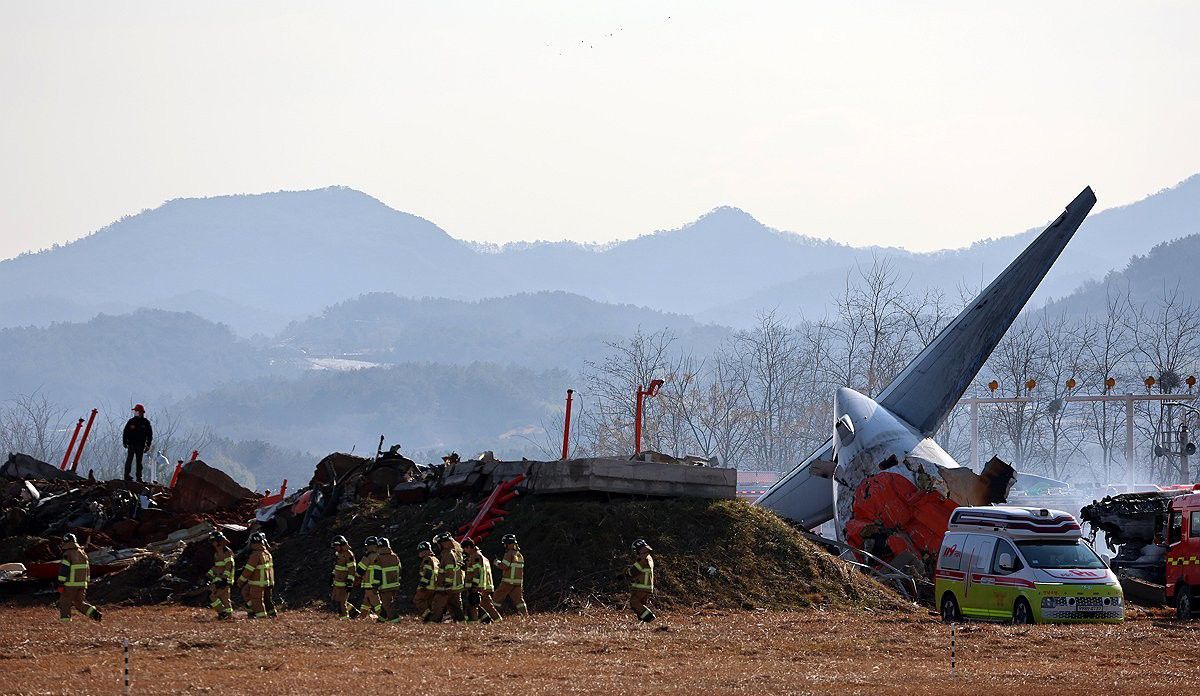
(1156, 538)
(1024, 565)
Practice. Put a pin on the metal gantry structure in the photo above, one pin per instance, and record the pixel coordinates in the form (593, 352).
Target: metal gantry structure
(1129, 399)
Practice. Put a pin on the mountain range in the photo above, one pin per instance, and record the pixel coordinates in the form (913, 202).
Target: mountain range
(260, 262)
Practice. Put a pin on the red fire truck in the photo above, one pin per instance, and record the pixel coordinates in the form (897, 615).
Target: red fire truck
(1157, 539)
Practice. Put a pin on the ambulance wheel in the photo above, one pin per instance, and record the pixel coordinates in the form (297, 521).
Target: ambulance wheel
(1183, 602)
(950, 612)
(1022, 613)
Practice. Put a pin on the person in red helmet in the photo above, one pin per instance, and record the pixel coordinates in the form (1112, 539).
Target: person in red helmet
(137, 438)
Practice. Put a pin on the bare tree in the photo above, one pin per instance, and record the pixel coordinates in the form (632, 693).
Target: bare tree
(607, 425)
(30, 424)
(1062, 351)
(1105, 344)
(1020, 356)
(772, 368)
(1167, 343)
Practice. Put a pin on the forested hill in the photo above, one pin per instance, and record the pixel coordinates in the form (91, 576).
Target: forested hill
(145, 355)
(1170, 269)
(535, 330)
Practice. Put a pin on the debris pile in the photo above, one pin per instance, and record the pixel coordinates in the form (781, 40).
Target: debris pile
(121, 525)
(575, 519)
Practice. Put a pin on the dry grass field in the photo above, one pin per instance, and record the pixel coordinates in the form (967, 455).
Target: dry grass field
(183, 650)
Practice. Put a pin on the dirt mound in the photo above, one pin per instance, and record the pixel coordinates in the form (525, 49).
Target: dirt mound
(720, 554)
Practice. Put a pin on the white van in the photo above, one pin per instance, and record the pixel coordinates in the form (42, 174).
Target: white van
(1025, 565)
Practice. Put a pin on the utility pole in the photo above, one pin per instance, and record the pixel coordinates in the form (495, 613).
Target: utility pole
(1185, 448)
(975, 435)
(567, 427)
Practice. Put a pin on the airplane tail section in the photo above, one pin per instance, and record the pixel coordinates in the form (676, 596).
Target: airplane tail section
(923, 394)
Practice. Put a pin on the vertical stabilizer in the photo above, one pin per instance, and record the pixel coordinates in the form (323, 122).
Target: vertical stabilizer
(925, 391)
(936, 379)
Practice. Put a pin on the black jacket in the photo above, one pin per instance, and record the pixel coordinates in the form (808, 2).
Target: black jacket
(137, 434)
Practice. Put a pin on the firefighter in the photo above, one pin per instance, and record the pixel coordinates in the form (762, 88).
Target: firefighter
(427, 580)
(220, 576)
(641, 575)
(368, 579)
(512, 577)
(478, 585)
(344, 573)
(73, 575)
(450, 584)
(258, 579)
(136, 438)
(388, 564)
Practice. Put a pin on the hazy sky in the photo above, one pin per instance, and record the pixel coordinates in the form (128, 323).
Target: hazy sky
(924, 125)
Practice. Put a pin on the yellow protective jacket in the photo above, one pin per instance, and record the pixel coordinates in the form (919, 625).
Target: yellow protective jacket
(260, 568)
(388, 564)
(452, 569)
(73, 569)
(427, 578)
(641, 573)
(367, 567)
(344, 568)
(222, 570)
(512, 567)
(479, 572)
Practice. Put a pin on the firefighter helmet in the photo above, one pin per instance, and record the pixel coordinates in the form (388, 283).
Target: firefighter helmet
(216, 535)
(444, 536)
(508, 539)
(339, 540)
(640, 544)
(70, 538)
(384, 542)
(424, 546)
(371, 541)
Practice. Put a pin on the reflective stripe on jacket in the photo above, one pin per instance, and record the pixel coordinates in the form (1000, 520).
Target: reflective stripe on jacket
(389, 570)
(642, 573)
(428, 578)
(222, 567)
(344, 568)
(260, 569)
(514, 568)
(479, 574)
(366, 569)
(73, 570)
(452, 571)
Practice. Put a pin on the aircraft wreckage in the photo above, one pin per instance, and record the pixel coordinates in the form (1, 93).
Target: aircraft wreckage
(889, 487)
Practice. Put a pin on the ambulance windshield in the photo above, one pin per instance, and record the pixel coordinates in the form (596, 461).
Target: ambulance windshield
(1059, 554)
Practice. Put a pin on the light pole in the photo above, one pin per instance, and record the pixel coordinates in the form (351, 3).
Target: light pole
(642, 393)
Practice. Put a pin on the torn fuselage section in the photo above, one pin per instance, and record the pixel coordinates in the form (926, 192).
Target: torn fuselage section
(895, 488)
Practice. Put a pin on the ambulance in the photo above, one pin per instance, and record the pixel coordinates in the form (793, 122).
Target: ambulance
(1024, 565)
